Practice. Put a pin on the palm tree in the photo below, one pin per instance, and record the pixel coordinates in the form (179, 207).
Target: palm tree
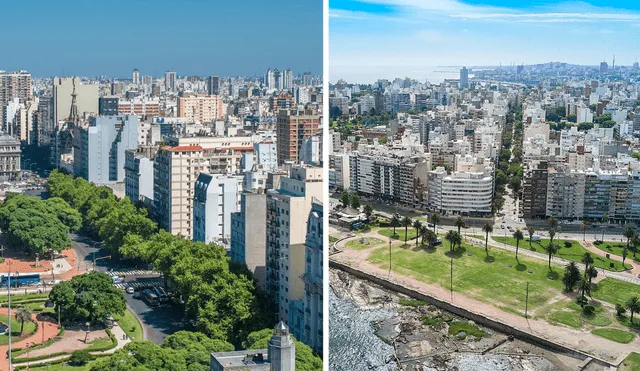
(435, 219)
(23, 314)
(395, 222)
(518, 236)
(417, 225)
(635, 241)
(368, 211)
(460, 224)
(624, 256)
(553, 222)
(591, 273)
(487, 228)
(552, 233)
(531, 232)
(585, 287)
(633, 306)
(457, 239)
(629, 233)
(584, 227)
(451, 237)
(551, 249)
(587, 260)
(406, 222)
(423, 233)
(605, 220)
(431, 237)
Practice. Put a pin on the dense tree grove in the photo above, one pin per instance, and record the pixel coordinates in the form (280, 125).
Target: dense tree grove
(218, 295)
(88, 297)
(38, 226)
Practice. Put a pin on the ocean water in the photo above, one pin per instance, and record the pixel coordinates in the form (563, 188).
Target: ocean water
(353, 344)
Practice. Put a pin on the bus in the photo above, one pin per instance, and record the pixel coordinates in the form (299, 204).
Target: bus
(21, 279)
(150, 298)
(162, 295)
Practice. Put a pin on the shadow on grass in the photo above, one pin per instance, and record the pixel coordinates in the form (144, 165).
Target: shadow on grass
(521, 267)
(457, 253)
(489, 259)
(553, 275)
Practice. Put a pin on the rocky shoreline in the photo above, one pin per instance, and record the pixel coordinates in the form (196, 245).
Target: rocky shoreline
(424, 337)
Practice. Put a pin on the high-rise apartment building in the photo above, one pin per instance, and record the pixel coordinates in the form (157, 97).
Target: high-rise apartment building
(203, 109)
(604, 67)
(100, 156)
(464, 78)
(170, 81)
(213, 85)
(293, 126)
(288, 210)
(138, 172)
(176, 169)
(215, 199)
(108, 106)
(135, 77)
(14, 85)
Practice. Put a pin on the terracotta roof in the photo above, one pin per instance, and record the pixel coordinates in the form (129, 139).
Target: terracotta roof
(183, 148)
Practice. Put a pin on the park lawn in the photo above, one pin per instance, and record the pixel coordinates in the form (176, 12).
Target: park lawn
(61, 367)
(366, 244)
(616, 248)
(501, 282)
(613, 334)
(29, 327)
(101, 344)
(130, 325)
(566, 318)
(17, 297)
(631, 363)
(615, 291)
(573, 253)
(388, 232)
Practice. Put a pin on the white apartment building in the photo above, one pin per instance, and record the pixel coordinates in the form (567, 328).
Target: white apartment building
(176, 169)
(461, 193)
(288, 210)
(138, 170)
(216, 197)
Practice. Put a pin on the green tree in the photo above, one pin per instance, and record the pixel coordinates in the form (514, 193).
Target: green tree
(572, 118)
(518, 236)
(591, 273)
(487, 228)
(435, 219)
(585, 288)
(23, 314)
(531, 231)
(585, 126)
(80, 357)
(395, 222)
(587, 260)
(406, 222)
(345, 199)
(417, 225)
(633, 306)
(368, 211)
(635, 242)
(629, 233)
(552, 234)
(355, 201)
(553, 223)
(451, 237)
(571, 276)
(551, 249)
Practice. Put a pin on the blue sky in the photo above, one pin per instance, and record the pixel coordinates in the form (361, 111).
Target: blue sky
(371, 39)
(192, 37)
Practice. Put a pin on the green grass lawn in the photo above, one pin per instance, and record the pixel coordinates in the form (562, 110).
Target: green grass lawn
(101, 344)
(613, 334)
(333, 239)
(566, 318)
(130, 325)
(615, 291)
(616, 248)
(388, 232)
(16, 297)
(367, 243)
(631, 363)
(29, 327)
(456, 327)
(573, 253)
(61, 367)
(501, 282)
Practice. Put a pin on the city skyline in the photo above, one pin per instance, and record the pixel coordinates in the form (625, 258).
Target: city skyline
(409, 38)
(225, 44)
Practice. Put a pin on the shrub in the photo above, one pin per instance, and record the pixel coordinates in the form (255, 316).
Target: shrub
(611, 265)
(567, 244)
(80, 358)
(588, 310)
(620, 310)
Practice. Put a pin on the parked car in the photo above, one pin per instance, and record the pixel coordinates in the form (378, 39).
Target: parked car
(130, 290)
